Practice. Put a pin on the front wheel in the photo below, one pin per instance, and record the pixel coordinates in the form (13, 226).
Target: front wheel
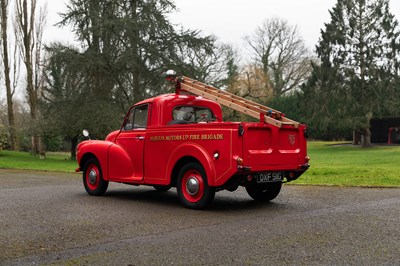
(192, 187)
(93, 178)
(264, 192)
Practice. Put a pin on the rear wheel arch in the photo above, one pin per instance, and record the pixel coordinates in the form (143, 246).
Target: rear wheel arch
(190, 153)
(179, 165)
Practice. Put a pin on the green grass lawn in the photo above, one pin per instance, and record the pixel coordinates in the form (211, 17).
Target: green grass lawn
(54, 161)
(348, 165)
(339, 165)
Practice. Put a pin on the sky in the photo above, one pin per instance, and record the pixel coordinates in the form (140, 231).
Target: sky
(230, 20)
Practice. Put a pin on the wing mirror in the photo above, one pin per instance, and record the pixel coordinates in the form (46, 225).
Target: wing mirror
(85, 133)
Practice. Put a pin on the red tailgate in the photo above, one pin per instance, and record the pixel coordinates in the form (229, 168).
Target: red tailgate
(267, 147)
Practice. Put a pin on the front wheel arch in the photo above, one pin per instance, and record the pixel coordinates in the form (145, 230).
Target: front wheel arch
(85, 158)
(92, 176)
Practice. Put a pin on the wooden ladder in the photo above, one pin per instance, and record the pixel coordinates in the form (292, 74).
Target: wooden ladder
(253, 109)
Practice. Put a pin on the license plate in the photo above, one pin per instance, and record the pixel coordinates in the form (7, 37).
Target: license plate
(269, 177)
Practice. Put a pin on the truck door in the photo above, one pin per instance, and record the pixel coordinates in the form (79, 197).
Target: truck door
(132, 139)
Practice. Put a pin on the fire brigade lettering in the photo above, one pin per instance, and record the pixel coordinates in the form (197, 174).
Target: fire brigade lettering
(188, 137)
(212, 136)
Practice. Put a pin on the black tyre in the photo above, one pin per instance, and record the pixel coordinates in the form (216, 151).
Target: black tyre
(264, 192)
(160, 188)
(192, 187)
(93, 178)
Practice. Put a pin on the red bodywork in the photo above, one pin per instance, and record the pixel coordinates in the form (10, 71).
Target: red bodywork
(153, 154)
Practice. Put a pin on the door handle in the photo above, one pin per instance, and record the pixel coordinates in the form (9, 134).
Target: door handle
(139, 138)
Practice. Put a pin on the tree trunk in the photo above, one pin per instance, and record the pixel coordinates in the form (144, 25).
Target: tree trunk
(367, 138)
(74, 144)
(9, 91)
(134, 42)
(32, 96)
(26, 22)
(34, 121)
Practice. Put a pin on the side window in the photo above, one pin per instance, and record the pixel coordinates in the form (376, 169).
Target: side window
(137, 118)
(140, 117)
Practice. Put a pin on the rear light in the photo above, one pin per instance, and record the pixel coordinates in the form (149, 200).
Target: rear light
(239, 161)
(307, 159)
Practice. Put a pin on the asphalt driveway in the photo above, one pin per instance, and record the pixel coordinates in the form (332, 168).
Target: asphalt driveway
(47, 218)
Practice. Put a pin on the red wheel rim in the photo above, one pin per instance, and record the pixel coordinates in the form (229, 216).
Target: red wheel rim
(192, 186)
(92, 177)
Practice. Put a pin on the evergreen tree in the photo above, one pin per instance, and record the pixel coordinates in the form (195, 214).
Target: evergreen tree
(359, 54)
(69, 102)
(126, 46)
(130, 44)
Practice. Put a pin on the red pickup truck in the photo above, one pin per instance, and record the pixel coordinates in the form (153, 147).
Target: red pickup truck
(179, 140)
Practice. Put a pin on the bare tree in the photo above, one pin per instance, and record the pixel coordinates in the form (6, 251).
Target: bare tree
(279, 50)
(254, 84)
(207, 63)
(10, 86)
(29, 30)
(251, 83)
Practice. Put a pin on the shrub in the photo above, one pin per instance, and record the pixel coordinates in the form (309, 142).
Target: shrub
(3, 137)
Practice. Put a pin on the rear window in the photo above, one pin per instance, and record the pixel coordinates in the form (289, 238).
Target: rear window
(192, 114)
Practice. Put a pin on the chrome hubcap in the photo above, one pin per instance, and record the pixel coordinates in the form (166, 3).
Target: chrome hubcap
(92, 177)
(192, 186)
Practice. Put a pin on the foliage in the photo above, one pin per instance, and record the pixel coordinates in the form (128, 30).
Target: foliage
(127, 46)
(22, 118)
(3, 137)
(356, 79)
(288, 105)
(53, 143)
(130, 44)
(70, 101)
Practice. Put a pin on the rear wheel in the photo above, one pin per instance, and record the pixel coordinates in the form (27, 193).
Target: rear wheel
(264, 192)
(93, 178)
(193, 189)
